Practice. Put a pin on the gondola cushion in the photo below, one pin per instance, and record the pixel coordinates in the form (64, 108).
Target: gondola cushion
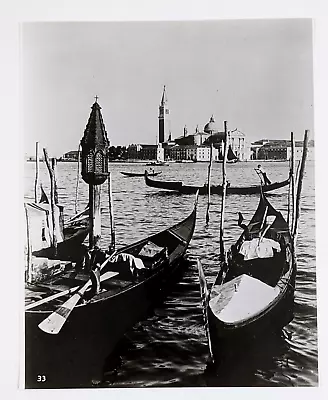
(251, 249)
(150, 251)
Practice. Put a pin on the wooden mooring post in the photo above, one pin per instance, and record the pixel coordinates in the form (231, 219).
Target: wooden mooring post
(77, 180)
(209, 185)
(111, 213)
(224, 192)
(94, 215)
(54, 168)
(299, 189)
(53, 186)
(29, 270)
(291, 190)
(36, 182)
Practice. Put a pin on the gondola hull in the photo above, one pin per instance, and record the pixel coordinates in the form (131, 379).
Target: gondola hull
(140, 174)
(253, 293)
(215, 189)
(77, 355)
(228, 340)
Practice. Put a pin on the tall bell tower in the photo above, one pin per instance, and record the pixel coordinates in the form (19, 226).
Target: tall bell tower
(164, 126)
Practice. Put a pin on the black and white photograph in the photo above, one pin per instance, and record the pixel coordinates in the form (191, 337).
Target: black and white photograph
(169, 204)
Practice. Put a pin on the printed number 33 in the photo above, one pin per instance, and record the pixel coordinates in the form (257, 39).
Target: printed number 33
(41, 378)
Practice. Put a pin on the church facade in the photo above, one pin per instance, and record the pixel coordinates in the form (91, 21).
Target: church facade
(189, 147)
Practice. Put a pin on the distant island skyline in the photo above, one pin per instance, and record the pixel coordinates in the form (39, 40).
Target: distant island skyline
(255, 74)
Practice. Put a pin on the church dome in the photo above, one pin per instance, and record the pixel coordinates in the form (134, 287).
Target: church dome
(211, 127)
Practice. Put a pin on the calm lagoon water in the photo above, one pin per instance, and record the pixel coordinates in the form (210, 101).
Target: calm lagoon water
(169, 348)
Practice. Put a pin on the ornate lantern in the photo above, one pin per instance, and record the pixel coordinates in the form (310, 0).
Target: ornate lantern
(95, 145)
(94, 160)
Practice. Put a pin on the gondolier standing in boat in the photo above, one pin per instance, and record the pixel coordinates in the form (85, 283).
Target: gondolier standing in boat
(263, 175)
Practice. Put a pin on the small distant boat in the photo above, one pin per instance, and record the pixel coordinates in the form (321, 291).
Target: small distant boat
(158, 163)
(150, 173)
(215, 189)
(254, 290)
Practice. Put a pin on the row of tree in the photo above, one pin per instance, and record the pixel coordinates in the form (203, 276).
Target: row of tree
(118, 153)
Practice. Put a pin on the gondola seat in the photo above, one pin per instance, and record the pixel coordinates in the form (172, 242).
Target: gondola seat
(151, 254)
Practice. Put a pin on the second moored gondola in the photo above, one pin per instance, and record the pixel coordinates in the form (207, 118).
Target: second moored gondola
(140, 174)
(254, 289)
(180, 187)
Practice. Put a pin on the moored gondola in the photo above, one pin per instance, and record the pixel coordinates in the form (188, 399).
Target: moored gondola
(134, 278)
(77, 312)
(134, 174)
(253, 293)
(254, 289)
(180, 187)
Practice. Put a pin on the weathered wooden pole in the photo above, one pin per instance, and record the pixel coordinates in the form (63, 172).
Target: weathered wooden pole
(52, 201)
(299, 188)
(91, 218)
(292, 177)
(96, 214)
(54, 168)
(209, 185)
(111, 213)
(77, 180)
(224, 190)
(209, 128)
(36, 183)
(29, 271)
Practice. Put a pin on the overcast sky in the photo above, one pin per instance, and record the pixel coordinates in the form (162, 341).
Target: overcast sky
(256, 74)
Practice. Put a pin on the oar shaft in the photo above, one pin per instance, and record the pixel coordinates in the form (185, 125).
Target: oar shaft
(55, 321)
(104, 277)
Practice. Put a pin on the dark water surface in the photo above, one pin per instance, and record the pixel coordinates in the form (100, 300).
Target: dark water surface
(170, 348)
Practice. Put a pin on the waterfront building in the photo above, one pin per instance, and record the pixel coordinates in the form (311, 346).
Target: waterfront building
(147, 152)
(236, 139)
(71, 156)
(192, 153)
(299, 151)
(160, 153)
(203, 154)
(185, 147)
(279, 150)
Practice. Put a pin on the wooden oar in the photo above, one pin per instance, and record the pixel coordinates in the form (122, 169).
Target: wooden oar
(204, 294)
(270, 221)
(55, 321)
(104, 277)
(83, 213)
(264, 217)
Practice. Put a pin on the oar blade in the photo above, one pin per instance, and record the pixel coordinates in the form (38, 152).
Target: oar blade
(56, 320)
(52, 324)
